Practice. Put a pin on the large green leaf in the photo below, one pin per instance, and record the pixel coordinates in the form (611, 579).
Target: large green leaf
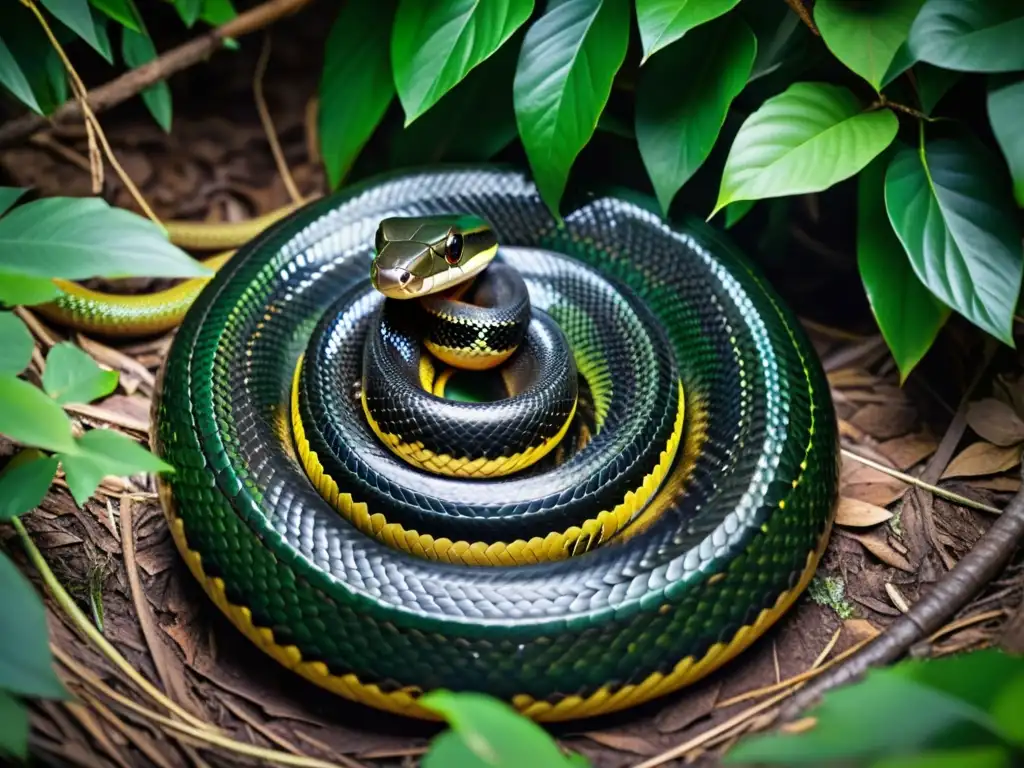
(678, 120)
(955, 219)
(487, 733)
(18, 289)
(356, 85)
(16, 344)
(9, 196)
(24, 483)
(188, 10)
(72, 376)
(26, 665)
(563, 80)
(13, 726)
(138, 49)
(76, 16)
(436, 43)
(121, 11)
(969, 36)
(30, 417)
(217, 12)
(1005, 112)
(15, 81)
(103, 452)
(78, 238)
(28, 42)
(907, 313)
(662, 22)
(865, 36)
(965, 757)
(809, 137)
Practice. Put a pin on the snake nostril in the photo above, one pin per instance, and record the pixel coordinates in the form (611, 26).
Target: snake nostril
(404, 278)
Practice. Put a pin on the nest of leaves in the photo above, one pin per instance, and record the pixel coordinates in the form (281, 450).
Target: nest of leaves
(957, 423)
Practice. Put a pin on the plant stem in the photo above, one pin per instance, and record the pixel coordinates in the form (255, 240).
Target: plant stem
(805, 16)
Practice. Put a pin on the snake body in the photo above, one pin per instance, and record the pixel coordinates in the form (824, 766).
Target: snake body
(665, 545)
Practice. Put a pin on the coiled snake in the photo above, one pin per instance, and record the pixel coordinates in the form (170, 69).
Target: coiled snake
(383, 540)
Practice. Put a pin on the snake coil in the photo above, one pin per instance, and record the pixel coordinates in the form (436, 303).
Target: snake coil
(689, 523)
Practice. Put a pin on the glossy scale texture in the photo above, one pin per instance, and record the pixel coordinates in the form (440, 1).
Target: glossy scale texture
(739, 522)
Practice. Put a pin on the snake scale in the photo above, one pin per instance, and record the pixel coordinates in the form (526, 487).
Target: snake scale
(649, 554)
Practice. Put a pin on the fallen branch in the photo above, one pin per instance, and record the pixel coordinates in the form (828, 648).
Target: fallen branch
(133, 82)
(976, 569)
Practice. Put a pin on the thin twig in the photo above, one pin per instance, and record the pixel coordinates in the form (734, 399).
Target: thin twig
(134, 81)
(911, 480)
(805, 16)
(268, 123)
(979, 566)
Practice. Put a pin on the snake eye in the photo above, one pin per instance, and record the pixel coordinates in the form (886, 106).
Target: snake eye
(378, 241)
(453, 248)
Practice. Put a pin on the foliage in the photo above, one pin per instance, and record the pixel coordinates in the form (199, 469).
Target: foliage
(41, 240)
(954, 711)
(738, 95)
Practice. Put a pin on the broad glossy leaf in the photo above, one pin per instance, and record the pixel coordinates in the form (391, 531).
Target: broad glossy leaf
(436, 43)
(77, 17)
(1006, 707)
(356, 85)
(809, 137)
(1005, 113)
(217, 12)
(568, 61)
(18, 289)
(735, 212)
(678, 120)
(885, 714)
(72, 376)
(12, 78)
(138, 49)
(16, 344)
(28, 43)
(955, 219)
(103, 452)
(487, 90)
(188, 10)
(24, 482)
(970, 36)
(78, 238)
(662, 22)
(907, 313)
(13, 727)
(967, 757)
(865, 36)
(9, 196)
(30, 417)
(26, 665)
(490, 730)
(976, 678)
(120, 11)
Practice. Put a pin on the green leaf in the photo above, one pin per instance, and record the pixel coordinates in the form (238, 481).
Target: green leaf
(13, 727)
(72, 376)
(121, 11)
(435, 44)
(9, 196)
(969, 757)
(969, 36)
(865, 36)
(568, 61)
(188, 10)
(1005, 109)
(12, 78)
(76, 16)
(736, 211)
(78, 238)
(24, 482)
(932, 84)
(956, 221)
(435, 137)
(491, 731)
(662, 22)
(217, 12)
(775, 42)
(1006, 707)
(678, 120)
(30, 417)
(907, 313)
(26, 665)
(18, 289)
(16, 344)
(103, 452)
(356, 85)
(809, 137)
(28, 43)
(137, 49)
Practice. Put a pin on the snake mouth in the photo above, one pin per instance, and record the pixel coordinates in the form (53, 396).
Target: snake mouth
(395, 283)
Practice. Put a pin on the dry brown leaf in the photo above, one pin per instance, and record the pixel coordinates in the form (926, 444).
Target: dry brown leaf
(879, 494)
(624, 742)
(861, 629)
(884, 421)
(983, 458)
(851, 377)
(875, 605)
(909, 450)
(860, 514)
(996, 422)
(998, 483)
(883, 551)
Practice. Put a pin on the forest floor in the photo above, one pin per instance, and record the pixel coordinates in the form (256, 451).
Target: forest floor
(117, 558)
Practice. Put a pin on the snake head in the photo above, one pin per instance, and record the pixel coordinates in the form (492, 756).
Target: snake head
(418, 256)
